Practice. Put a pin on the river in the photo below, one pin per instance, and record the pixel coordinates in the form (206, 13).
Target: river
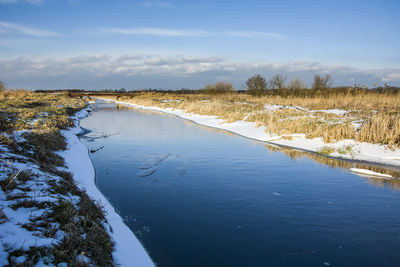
(198, 196)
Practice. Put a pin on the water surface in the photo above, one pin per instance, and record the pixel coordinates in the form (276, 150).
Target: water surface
(197, 196)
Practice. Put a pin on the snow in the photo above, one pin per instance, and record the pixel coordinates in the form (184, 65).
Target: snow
(272, 107)
(128, 250)
(360, 150)
(171, 100)
(339, 112)
(370, 173)
(12, 233)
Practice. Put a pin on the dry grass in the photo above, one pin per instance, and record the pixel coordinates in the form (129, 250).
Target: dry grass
(40, 117)
(379, 112)
(25, 110)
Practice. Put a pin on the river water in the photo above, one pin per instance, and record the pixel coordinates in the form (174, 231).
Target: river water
(197, 196)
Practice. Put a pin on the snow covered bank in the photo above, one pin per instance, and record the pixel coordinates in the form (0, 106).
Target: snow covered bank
(347, 149)
(128, 250)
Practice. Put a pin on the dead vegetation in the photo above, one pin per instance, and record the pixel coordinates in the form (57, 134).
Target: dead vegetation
(30, 132)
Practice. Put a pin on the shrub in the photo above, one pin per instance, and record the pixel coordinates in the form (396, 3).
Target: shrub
(256, 85)
(322, 82)
(219, 88)
(2, 86)
(277, 82)
(296, 84)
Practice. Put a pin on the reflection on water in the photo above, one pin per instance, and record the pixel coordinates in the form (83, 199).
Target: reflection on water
(196, 196)
(346, 164)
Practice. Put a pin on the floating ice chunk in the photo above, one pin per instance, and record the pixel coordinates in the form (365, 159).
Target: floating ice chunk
(370, 173)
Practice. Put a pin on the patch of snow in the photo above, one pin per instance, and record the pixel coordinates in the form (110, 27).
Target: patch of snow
(370, 173)
(339, 112)
(20, 259)
(272, 107)
(357, 124)
(245, 103)
(171, 100)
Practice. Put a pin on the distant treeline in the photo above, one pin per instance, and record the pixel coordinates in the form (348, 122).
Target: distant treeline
(258, 86)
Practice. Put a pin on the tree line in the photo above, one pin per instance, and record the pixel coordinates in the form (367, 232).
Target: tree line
(258, 85)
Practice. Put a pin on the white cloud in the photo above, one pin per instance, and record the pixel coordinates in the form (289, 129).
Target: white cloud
(172, 72)
(154, 31)
(190, 32)
(391, 77)
(17, 28)
(255, 34)
(157, 4)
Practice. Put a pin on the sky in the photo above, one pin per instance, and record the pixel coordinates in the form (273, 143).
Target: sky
(52, 44)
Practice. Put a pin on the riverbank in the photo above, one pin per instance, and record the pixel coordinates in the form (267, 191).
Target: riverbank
(346, 149)
(51, 211)
(128, 251)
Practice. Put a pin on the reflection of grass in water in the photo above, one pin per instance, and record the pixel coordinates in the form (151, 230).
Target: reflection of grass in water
(345, 164)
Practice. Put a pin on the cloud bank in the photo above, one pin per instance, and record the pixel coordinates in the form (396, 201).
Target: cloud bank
(169, 72)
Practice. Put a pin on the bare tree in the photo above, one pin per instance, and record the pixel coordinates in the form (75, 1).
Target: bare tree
(322, 82)
(277, 82)
(2, 86)
(256, 85)
(219, 88)
(297, 84)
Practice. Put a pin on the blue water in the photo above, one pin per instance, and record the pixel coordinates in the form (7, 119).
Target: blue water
(197, 196)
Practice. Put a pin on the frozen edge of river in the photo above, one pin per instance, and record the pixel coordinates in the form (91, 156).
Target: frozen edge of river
(361, 151)
(128, 250)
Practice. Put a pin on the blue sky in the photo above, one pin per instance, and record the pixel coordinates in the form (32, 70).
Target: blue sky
(176, 44)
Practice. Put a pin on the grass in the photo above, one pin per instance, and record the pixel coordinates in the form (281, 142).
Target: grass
(85, 234)
(25, 110)
(30, 129)
(326, 150)
(378, 110)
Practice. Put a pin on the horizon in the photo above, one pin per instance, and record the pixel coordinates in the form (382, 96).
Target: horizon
(189, 44)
